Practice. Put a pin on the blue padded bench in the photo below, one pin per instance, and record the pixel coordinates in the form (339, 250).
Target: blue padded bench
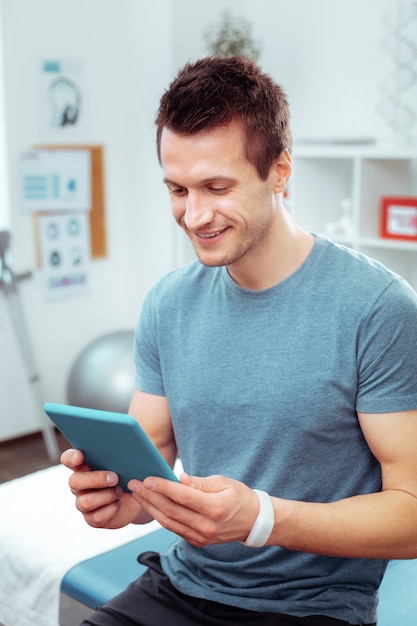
(96, 580)
(398, 594)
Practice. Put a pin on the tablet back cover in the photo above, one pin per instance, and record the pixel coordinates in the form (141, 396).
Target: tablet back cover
(112, 441)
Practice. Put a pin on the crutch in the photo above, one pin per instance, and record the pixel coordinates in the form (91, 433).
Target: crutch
(8, 282)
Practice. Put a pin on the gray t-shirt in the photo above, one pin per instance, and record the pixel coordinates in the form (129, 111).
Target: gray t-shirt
(264, 387)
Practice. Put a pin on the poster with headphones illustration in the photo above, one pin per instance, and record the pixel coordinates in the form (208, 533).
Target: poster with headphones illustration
(62, 99)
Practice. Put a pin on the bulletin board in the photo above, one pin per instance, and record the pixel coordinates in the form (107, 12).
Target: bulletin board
(97, 215)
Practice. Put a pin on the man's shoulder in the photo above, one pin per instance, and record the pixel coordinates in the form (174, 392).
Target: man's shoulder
(354, 265)
(360, 279)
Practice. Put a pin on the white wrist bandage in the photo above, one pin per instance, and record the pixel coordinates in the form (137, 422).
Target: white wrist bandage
(264, 523)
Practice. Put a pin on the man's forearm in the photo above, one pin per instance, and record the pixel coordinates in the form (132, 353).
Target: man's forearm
(380, 525)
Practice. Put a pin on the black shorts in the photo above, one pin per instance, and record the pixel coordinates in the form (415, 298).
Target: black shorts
(151, 600)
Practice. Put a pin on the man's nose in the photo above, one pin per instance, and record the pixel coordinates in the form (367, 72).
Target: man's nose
(198, 211)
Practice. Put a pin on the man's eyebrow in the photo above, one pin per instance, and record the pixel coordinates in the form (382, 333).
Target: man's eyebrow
(218, 179)
(205, 181)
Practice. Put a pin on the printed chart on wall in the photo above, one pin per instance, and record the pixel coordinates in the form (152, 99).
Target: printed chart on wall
(64, 245)
(54, 180)
(56, 187)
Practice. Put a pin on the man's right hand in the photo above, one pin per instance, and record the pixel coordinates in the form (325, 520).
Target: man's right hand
(98, 497)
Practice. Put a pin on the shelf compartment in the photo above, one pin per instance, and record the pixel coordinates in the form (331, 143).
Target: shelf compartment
(381, 177)
(320, 187)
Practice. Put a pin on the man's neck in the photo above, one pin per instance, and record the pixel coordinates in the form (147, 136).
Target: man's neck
(285, 251)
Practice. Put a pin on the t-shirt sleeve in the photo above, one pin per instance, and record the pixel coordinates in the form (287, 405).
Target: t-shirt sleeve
(146, 353)
(387, 352)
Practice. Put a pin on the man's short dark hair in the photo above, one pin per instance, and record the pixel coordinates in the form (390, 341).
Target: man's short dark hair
(214, 91)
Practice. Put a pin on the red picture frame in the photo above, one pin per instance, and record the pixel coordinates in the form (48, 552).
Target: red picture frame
(399, 218)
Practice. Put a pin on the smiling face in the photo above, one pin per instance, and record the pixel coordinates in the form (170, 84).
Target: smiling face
(217, 196)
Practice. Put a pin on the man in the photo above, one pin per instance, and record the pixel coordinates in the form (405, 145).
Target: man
(281, 368)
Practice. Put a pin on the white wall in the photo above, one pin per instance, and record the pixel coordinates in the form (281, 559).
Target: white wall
(112, 40)
(329, 55)
(4, 179)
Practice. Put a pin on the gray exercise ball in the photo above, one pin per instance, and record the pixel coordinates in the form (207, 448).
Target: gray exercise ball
(102, 377)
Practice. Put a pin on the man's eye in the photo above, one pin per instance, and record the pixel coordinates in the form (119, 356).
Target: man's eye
(219, 190)
(178, 191)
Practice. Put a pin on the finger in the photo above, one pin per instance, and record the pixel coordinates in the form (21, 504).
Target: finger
(208, 484)
(103, 516)
(174, 506)
(191, 492)
(185, 479)
(72, 458)
(87, 480)
(160, 501)
(89, 501)
(178, 519)
(160, 491)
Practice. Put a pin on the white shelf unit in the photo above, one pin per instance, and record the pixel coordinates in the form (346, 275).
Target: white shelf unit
(326, 177)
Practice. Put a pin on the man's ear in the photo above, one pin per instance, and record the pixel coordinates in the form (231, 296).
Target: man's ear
(282, 169)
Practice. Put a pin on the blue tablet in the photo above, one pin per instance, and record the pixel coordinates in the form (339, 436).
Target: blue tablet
(110, 441)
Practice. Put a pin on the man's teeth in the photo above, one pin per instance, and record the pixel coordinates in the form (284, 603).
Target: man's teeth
(210, 235)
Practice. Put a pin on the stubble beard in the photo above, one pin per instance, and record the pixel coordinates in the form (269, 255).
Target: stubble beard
(239, 251)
